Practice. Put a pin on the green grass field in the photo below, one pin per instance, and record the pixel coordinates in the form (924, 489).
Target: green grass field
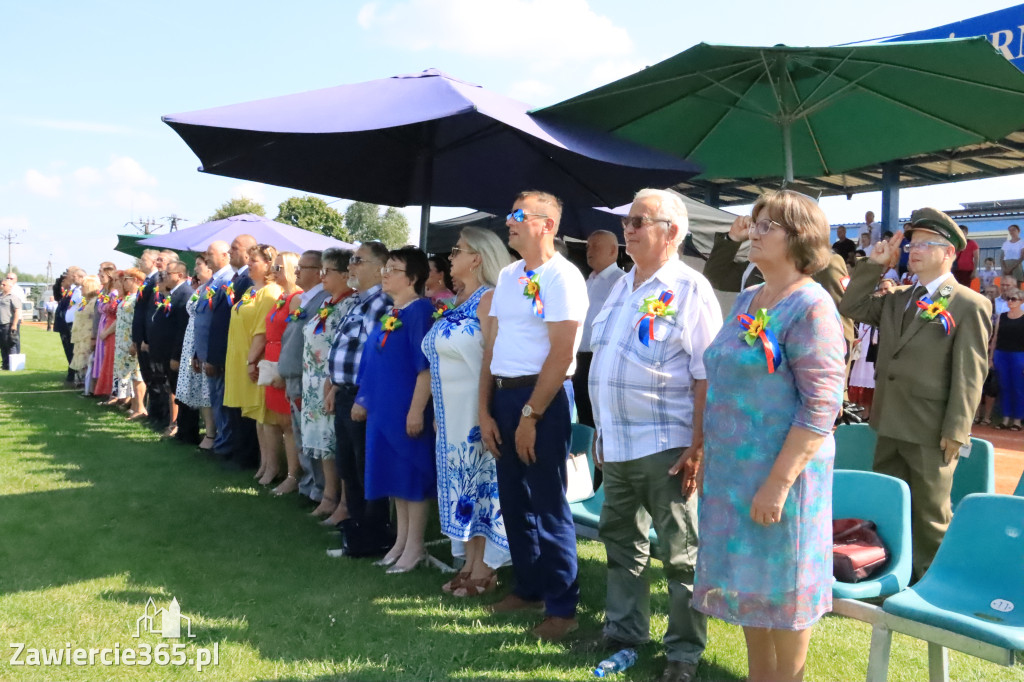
(97, 515)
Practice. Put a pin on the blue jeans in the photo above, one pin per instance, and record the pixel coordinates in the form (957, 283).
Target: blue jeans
(222, 443)
(1010, 370)
(538, 522)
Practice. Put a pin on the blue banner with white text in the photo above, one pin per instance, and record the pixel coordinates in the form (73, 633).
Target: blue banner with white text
(1003, 28)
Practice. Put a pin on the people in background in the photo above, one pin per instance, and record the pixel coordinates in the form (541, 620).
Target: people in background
(1008, 360)
(1010, 256)
(440, 286)
(966, 264)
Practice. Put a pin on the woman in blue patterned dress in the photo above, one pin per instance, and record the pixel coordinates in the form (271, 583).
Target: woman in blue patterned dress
(766, 515)
(193, 389)
(467, 480)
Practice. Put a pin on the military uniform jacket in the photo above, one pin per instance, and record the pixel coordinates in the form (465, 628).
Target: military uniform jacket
(927, 383)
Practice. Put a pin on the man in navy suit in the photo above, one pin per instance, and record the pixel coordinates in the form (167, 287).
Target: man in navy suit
(213, 313)
(166, 335)
(241, 448)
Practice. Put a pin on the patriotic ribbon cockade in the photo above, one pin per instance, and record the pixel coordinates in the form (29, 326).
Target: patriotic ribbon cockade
(277, 306)
(229, 291)
(297, 314)
(756, 329)
(246, 297)
(163, 302)
(653, 307)
(937, 309)
(194, 297)
(389, 323)
(209, 297)
(325, 310)
(531, 290)
(441, 308)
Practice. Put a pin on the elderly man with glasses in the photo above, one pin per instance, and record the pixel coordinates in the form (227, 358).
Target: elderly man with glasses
(539, 303)
(648, 386)
(932, 361)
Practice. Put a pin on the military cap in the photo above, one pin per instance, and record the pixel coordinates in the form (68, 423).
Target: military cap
(934, 220)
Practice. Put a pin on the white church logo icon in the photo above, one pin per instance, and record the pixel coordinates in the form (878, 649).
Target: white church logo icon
(163, 622)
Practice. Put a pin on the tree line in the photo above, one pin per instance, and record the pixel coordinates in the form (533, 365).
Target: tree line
(361, 222)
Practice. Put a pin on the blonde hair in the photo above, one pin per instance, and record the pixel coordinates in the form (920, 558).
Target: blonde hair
(807, 229)
(90, 286)
(493, 254)
(289, 260)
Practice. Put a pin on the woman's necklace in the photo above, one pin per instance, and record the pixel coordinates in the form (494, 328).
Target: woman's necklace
(786, 290)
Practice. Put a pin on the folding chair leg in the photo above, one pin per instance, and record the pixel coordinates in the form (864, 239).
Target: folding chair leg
(938, 663)
(878, 658)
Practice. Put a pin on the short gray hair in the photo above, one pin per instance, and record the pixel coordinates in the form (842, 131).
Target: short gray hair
(335, 258)
(672, 208)
(493, 254)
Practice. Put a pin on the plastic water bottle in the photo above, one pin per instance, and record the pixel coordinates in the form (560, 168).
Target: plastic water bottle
(617, 663)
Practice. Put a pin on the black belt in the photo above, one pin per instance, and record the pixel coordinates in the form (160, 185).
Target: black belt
(518, 382)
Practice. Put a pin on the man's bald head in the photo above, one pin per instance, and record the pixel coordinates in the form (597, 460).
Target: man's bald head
(602, 250)
(218, 255)
(240, 250)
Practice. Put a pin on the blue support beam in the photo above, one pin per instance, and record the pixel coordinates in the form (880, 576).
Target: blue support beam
(890, 196)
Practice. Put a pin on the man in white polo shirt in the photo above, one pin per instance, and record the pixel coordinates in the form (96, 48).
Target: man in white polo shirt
(539, 303)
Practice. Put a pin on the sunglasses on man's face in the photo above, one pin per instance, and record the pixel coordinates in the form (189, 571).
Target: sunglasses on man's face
(519, 215)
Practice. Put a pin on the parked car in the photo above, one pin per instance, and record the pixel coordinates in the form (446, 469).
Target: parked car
(28, 311)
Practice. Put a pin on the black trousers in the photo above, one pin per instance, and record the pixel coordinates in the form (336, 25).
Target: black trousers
(370, 520)
(584, 409)
(6, 345)
(158, 391)
(69, 350)
(245, 446)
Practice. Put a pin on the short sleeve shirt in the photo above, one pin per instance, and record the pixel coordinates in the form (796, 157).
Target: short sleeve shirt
(522, 343)
(1011, 250)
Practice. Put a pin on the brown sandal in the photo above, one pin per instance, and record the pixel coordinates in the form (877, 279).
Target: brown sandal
(455, 583)
(471, 587)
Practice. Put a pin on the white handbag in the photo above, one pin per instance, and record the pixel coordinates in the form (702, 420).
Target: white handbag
(268, 372)
(579, 484)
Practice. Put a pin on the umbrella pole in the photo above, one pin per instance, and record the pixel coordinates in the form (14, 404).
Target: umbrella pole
(787, 151)
(424, 225)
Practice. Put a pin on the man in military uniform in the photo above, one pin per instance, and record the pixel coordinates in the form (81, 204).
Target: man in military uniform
(932, 361)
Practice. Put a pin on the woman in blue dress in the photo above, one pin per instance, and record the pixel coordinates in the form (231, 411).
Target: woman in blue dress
(775, 385)
(467, 476)
(393, 397)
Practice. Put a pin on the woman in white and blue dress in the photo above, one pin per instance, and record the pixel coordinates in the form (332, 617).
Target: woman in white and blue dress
(193, 389)
(467, 480)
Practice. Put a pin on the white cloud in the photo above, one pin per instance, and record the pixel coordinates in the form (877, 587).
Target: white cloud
(533, 92)
(536, 31)
(87, 177)
(136, 201)
(43, 185)
(250, 190)
(124, 170)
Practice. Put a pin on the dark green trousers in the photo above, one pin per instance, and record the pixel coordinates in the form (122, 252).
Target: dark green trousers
(637, 493)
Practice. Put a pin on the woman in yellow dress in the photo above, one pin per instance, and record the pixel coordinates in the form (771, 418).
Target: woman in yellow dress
(247, 337)
(81, 331)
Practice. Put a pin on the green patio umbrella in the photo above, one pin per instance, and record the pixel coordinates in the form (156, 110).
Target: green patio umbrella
(128, 245)
(748, 112)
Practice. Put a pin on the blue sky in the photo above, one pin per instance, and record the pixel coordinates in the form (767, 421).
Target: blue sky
(83, 150)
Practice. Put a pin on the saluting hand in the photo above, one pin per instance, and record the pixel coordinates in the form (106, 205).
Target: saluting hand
(885, 251)
(738, 231)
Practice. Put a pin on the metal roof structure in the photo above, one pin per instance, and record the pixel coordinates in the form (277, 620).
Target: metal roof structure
(974, 162)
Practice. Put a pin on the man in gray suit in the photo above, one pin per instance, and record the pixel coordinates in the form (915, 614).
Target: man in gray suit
(932, 362)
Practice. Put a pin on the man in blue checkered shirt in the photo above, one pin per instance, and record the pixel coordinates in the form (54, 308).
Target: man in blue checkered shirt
(367, 531)
(647, 385)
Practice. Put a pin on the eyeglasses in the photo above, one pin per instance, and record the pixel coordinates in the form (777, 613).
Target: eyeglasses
(763, 226)
(277, 268)
(356, 260)
(638, 221)
(1016, 299)
(456, 250)
(519, 215)
(921, 246)
(306, 267)
(324, 271)
(387, 270)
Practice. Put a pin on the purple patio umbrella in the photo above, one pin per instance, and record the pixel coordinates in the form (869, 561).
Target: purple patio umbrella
(266, 231)
(420, 139)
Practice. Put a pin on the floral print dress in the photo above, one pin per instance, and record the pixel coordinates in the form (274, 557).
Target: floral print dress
(317, 426)
(777, 576)
(467, 479)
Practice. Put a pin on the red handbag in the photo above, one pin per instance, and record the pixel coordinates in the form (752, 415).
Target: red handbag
(857, 551)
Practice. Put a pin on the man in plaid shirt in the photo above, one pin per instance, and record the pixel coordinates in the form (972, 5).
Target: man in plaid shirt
(647, 384)
(367, 530)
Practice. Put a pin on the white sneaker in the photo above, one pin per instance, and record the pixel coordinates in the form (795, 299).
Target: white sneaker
(336, 553)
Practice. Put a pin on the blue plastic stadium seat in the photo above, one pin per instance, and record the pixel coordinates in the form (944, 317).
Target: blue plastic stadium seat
(975, 586)
(974, 474)
(1019, 492)
(855, 447)
(886, 501)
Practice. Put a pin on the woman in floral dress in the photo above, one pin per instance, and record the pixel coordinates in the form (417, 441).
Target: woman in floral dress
(193, 389)
(127, 375)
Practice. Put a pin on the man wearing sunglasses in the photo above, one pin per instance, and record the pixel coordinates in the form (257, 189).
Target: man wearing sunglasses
(540, 303)
(931, 365)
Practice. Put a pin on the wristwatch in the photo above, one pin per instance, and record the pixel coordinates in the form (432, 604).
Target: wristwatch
(530, 413)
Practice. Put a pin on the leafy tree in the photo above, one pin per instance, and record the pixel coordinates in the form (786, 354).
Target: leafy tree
(237, 207)
(313, 214)
(365, 223)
